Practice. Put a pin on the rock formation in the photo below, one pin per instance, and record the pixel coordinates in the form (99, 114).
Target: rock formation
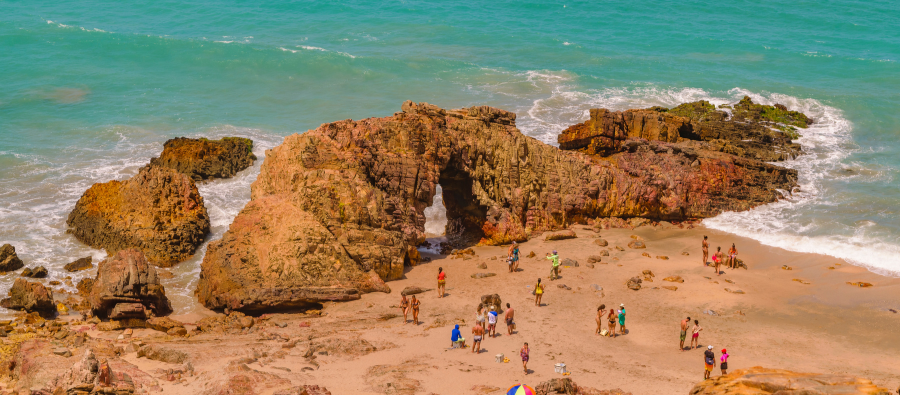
(127, 287)
(29, 297)
(80, 264)
(9, 261)
(202, 158)
(340, 205)
(159, 210)
(762, 381)
(90, 376)
(752, 131)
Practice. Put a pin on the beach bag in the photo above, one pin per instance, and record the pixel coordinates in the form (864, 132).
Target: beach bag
(604, 333)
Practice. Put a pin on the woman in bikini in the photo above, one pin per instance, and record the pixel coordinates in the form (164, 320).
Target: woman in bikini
(732, 256)
(611, 319)
(705, 250)
(717, 259)
(695, 337)
(414, 304)
(538, 292)
(442, 282)
(600, 311)
(404, 307)
(479, 317)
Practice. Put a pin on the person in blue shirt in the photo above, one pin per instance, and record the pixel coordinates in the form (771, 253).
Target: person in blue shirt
(456, 338)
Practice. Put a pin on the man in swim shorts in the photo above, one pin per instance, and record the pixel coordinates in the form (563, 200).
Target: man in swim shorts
(684, 327)
(492, 322)
(510, 324)
(709, 358)
(477, 334)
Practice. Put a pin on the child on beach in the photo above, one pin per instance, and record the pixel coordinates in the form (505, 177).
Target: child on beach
(724, 364)
(404, 307)
(554, 270)
(695, 337)
(524, 354)
(538, 292)
(442, 282)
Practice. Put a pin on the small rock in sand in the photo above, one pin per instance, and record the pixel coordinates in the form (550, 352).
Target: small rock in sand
(636, 237)
(736, 291)
(413, 290)
(646, 255)
(634, 283)
(801, 281)
(685, 253)
(569, 262)
(593, 259)
(596, 287)
(483, 275)
(860, 284)
(604, 253)
(564, 286)
(636, 244)
(601, 242)
(482, 265)
(786, 267)
(620, 248)
(674, 279)
(663, 257)
(531, 254)
(710, 312)
(670, 287)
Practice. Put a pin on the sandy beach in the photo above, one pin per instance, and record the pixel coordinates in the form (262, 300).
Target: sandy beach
(825, 326)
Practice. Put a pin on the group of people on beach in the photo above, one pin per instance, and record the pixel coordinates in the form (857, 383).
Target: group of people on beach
(709, 357)
(720, 258)
(610, 319)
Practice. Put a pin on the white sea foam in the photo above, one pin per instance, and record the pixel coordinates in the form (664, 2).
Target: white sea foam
(801, 222)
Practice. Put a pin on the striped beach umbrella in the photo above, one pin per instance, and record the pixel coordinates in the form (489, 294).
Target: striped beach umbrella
(520, 389)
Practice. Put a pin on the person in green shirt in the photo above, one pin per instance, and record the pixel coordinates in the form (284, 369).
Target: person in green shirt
(554, 271)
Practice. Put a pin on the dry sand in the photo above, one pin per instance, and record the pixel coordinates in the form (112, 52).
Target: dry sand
(824, 326)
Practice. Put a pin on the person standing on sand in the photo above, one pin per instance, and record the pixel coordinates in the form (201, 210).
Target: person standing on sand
(695, 335)
(732, 256)
(611, 318)
(524, 354)
(717, 259)
(404, 307)
(442, 282)
(538, 292)
(705, 250)
(554, 270)
(414, 305)
(492, 322)
(709, 358)
(479, 317)
(510, 323)
(622, 318)
(513, 255)
(684, 326)
(724, 364)
(600, 311)
(477, 335)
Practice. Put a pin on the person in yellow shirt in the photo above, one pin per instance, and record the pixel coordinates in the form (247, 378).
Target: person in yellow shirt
(554, 271)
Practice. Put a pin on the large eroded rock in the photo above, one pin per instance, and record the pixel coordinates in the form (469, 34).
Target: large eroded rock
(9, 261)
(202, 158)
(754, 131)
(28, 296)
(336, 203)
(159, 211)
(762, 381)
(127, 278)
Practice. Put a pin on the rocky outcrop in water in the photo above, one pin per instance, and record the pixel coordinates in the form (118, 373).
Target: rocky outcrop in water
(751, 130)
(336, 207)
(203, 159)
(159, 211)
(127, 287)
(9, 261)
(762, 381)
(28, 296)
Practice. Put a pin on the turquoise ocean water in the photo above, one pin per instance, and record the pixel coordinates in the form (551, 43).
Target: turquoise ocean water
(91, 90)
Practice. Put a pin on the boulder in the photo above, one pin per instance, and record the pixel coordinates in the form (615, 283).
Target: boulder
(601, 242)
(563, 235)
(636, 244)
(162, 354)
(203, 159)
(163, 324)
(593, 259)
(32, 363)
(38, 272)
(9, 261)
(159, 211)
(334, 204)
(128, 278)
(29, 297)
(634, 283)
(80, 264)
(492, 301)
(89, 376)
(128, 310)
(413, 290)
(84, 286)
(569, 262)
(762, 381)
(674, 279)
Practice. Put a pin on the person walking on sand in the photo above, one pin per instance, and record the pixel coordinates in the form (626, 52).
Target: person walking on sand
(709, 359)
(538, 292)
(684, 327)
(510, 322)
(705, 251)
(600, 311)
(732, 256)
(554, 270)
(414, 305)
(477, 334)
(724, 364)
(404, 307)
(695, 335)
(513, 255)
(524, 354)
(611, 319)
(492, 322)
(479, 316)
(442, 282)
(717, 259)
(622, 318)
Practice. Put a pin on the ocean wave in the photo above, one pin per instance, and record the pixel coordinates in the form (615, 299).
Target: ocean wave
(57, 24)
(311, 48)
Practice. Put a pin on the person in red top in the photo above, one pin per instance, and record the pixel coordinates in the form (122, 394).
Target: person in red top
(442, 282)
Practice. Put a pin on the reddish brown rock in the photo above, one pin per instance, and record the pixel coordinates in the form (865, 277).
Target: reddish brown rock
(89, 375)
(159, 211)
(202, 158)
(127, 278)
(566, 234)
(568, 387)
(9, 261)
(29, 297)
(335, 204)
(34, 365)
(762, 381)
(80, 264)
